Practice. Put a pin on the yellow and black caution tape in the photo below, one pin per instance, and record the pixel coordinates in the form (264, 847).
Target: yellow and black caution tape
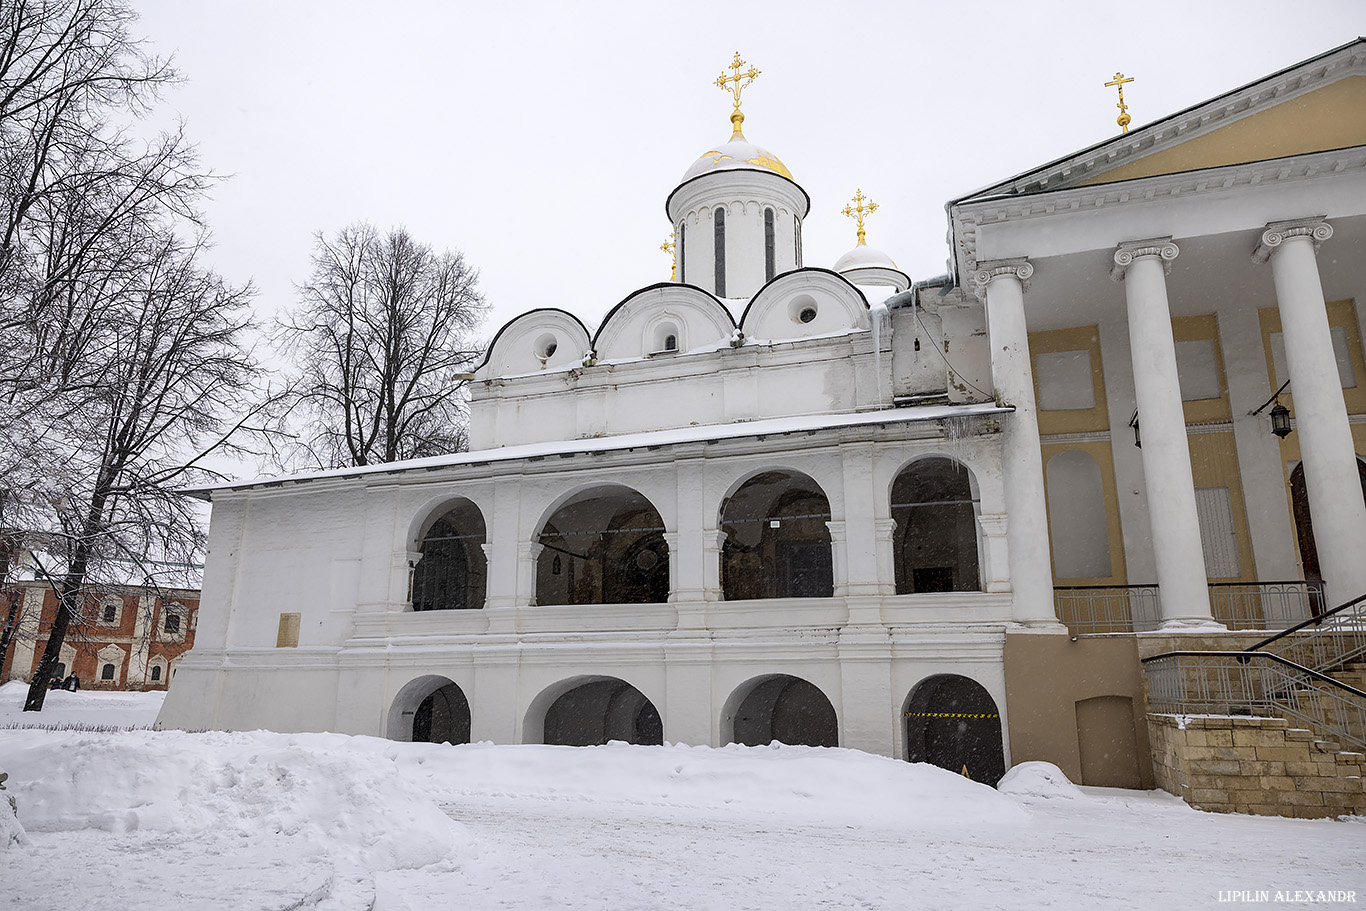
(951, 715)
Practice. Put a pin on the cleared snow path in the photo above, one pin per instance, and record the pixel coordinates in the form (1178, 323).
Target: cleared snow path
(1114, 849)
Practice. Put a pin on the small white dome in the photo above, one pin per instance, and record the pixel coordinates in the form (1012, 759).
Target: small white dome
(864, 257)
(737, 155)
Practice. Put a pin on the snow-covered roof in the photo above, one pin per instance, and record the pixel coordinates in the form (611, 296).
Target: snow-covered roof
(625, 441)
(864, 256)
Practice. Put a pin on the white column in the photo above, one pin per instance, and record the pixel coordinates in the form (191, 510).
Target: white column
(1001, 284)
(1330, 465)
(1180, 557)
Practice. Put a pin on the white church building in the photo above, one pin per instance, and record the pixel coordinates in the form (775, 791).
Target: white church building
(827, 505)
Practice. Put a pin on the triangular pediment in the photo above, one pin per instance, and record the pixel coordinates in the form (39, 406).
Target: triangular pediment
(1332, 117)
(1315, 106)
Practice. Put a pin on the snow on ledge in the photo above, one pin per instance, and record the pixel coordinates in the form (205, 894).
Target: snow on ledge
(689, 434)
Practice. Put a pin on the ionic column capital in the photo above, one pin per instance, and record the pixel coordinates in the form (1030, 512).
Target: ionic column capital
(1315, 228)
(988, 271)
(1129, 252)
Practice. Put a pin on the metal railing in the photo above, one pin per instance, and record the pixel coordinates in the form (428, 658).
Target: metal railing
(1091, 609)
(1087, 609)
(1264, 605)
(1255, 683)
(1322, 643)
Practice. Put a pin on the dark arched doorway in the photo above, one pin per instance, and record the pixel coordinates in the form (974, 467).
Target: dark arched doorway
(452, 571)
(775, 540)
(953, 722)
(430, 709)
(1304, 530)
(935, 542)
(602, 710)
(783, 708)
(603, 546)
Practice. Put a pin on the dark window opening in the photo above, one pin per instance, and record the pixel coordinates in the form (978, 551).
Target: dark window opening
(934, 545)
(797, 239)
(682, 246)
(600, 711)
(952, 722)
(156, 673)
(786, 709)
(605, 546)
(776, 541)
(670, 343)
(443, 717)
(453, 569)
(719, 247)
(807, 315)
(770, 257)
(111, 612)
(107, 672)
(172, 624)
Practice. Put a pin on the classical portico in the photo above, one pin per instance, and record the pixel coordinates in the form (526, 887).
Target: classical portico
(1170, 502)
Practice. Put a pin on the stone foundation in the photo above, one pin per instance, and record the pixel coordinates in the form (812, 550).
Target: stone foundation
(1251, 765)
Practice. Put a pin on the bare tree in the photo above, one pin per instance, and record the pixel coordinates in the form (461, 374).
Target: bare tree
(168, 365)
(125, 364)
(381, 338)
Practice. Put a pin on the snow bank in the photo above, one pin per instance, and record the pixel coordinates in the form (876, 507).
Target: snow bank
(342, 804)
(1039, 780)
(811, 782)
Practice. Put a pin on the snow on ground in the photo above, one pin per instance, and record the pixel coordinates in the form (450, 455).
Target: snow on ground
(135, 819)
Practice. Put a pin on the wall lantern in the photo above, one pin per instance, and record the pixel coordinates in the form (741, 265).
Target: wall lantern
(1280, 415)
(1280, 420)
(1133, 422)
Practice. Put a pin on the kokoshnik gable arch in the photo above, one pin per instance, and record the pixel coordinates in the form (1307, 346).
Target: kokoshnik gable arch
(773, 500)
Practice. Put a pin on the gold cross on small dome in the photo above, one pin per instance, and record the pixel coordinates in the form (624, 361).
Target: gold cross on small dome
(1124, 119)
(671, 248)
(858, 211)
(736, 83)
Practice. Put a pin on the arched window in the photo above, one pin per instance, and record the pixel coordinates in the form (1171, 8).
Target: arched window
(107, 672)
(430, 709)
(603, 710)
(770, 260)
(953, 722)
(719, 246)
(935, 542)
(1077, 523)
(783, 708)
(452, 571)
(776, 543)
(604, 546)
(156, 672)
(670, 343)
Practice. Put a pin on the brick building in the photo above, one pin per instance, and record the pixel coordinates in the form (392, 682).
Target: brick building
(128, 638)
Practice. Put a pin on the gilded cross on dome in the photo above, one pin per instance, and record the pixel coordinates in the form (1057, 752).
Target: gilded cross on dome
(736, 83)
(671, 248)
(1123, 119)
(858, 211)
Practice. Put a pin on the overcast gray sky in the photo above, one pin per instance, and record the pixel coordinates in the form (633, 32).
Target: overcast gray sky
(542, 138)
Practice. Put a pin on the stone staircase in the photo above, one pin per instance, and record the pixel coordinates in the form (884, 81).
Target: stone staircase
(1225, 740)
(1263, 766)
